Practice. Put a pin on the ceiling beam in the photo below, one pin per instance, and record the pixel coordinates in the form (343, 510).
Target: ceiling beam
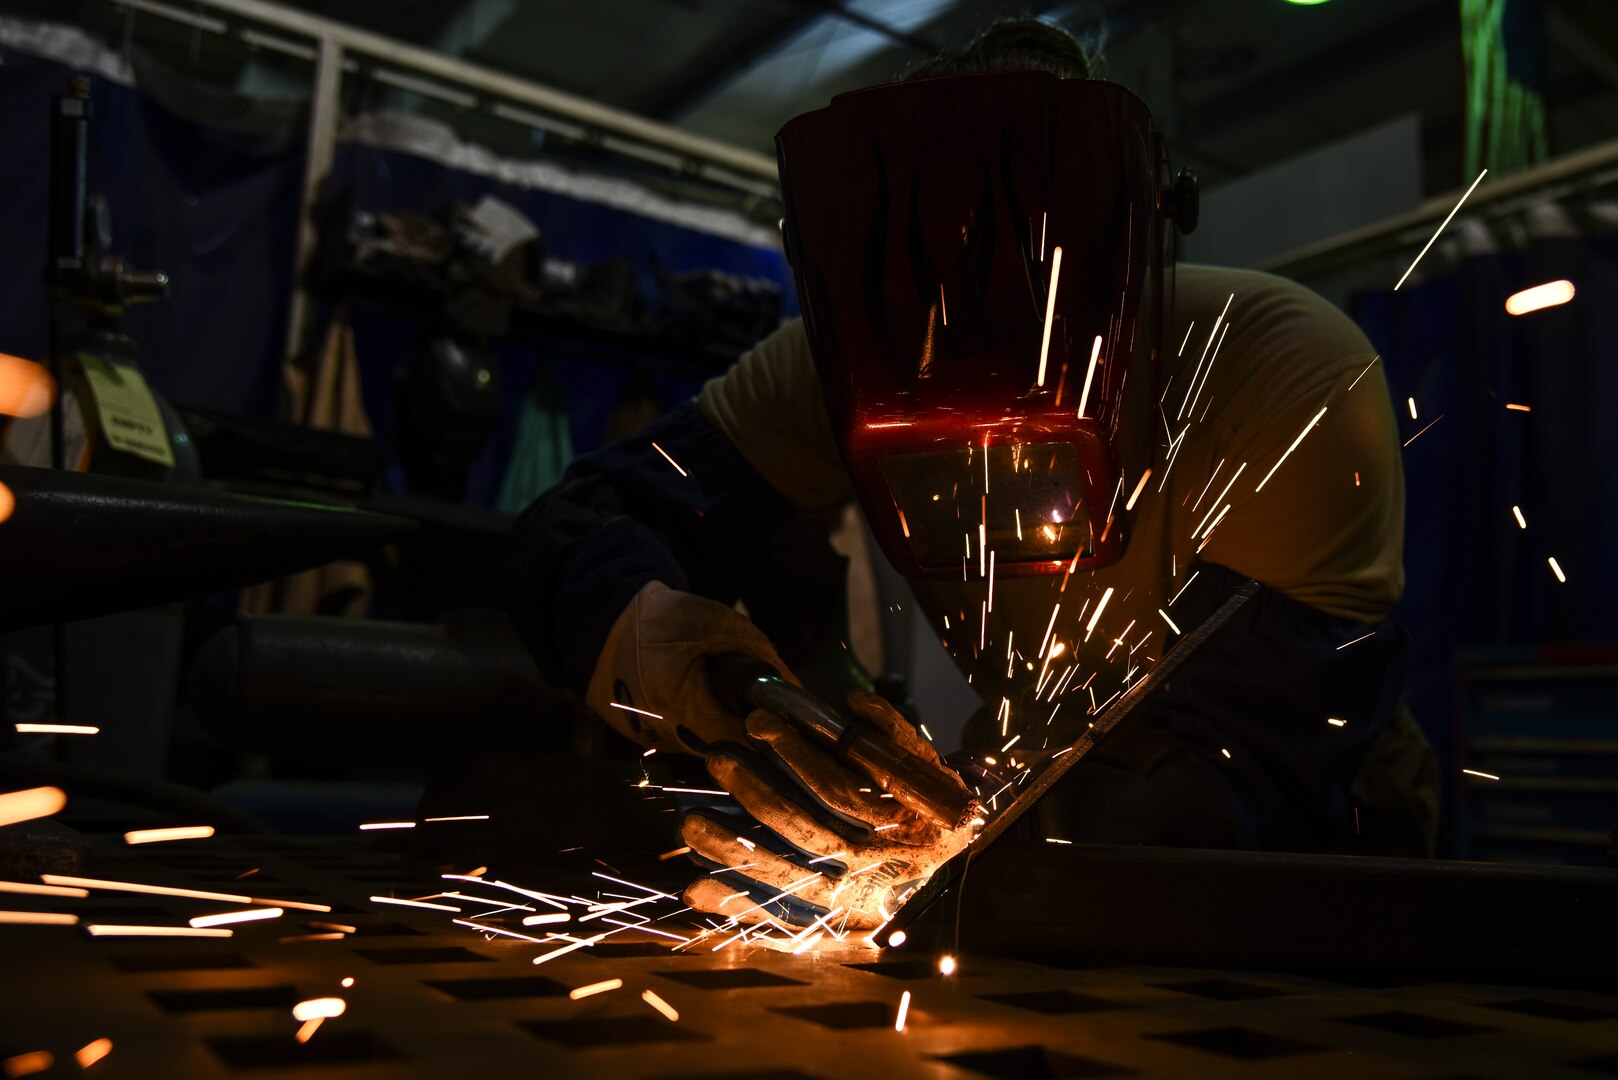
(1283, 88)
(709, 74)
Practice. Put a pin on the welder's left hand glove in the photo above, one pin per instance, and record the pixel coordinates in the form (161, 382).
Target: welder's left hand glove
(819, 830)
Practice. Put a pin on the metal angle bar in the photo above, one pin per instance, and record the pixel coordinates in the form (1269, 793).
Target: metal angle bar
(482, 80)
(946, 875)
(1565, 169)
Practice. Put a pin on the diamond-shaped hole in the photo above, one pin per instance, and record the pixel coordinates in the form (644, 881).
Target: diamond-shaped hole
(520, 986)
(729, 978)
(900, 969)
(578, 1033)
(1415, 1024)
(1239, 1042)
(1054, 1002)
(245, 997)
(448, 954)
(844, 1015)
(1224, 989)
(200, 961)
(1552, 1010)
(1032, 1063)
(339, 1047)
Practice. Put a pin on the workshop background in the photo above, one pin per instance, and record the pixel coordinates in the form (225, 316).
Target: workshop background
(423, 254)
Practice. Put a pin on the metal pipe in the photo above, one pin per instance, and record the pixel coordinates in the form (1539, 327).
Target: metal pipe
(1568, 170)
(325, 97)
(489, 83)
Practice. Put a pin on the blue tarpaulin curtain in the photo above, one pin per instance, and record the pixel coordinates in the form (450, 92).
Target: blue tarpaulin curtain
(1473, 576)
(214, 209)
(217, 210)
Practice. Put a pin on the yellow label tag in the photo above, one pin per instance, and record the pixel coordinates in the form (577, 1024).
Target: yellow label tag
(130, 420)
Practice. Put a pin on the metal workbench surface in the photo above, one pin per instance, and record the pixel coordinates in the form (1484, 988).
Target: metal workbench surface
(432, 998)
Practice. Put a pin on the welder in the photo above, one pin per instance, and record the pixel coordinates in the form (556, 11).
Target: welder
(1073, 449)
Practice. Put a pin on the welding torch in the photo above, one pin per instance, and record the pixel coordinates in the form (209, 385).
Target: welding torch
(743, 683)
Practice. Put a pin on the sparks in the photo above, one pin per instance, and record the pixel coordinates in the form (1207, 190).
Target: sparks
(1168, 620)
(158, 836)
(1307, 428)
(1556, 568)
(108, 930)
(1052, 626)
(40, 890)
(1212, 508)
(1483, 775)
(547, 917)
(594, 988)
(92, 1052)
(1222, 750)
(57, 729)
(643, 712)
(651, 998)
(1422, 432)
(462, 817)
(388, 825)
(165, 890)
(27, 1064)
(670, 460)
(37, 918)
(1145, 476)
(1441, 225)
(224, 918)
(1356, 641)
(898, 938)
(1412, 402)
(1096, 617)
(1522, 522)
(1050, 313)
(1089, 373)
(1519, 408)
(319, 1008)
(30, 803)
(946, 964)
(1334, 722)
(402, 902)
(904, 998)
(1550, 294)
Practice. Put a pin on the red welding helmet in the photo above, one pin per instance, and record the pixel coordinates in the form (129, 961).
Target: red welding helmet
(979, 259)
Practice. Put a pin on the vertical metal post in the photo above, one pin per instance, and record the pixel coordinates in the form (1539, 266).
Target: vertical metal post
(325, 101)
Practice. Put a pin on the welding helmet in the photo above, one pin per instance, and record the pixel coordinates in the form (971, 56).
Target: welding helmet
(980, 261)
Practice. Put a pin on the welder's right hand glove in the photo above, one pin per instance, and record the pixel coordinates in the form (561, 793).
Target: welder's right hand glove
(819, 840)
(651, 680)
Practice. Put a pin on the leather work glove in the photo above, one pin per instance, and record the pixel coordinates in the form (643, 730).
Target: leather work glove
(654, 665)
(819, 830)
